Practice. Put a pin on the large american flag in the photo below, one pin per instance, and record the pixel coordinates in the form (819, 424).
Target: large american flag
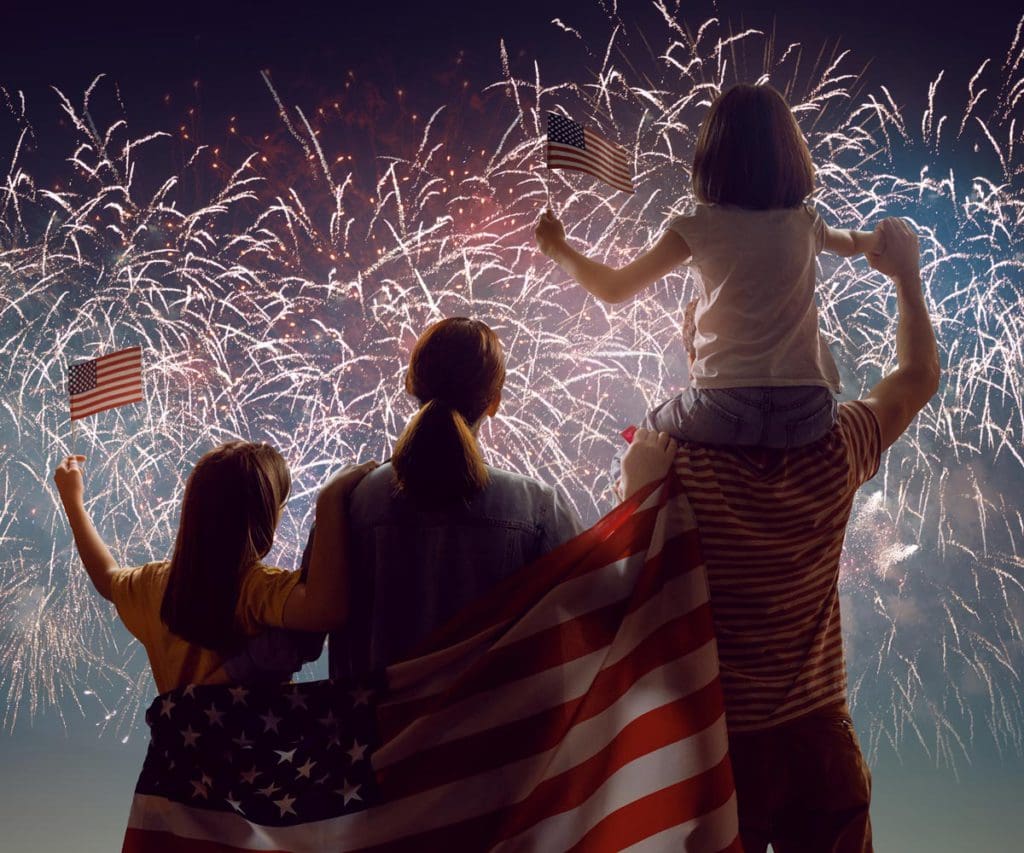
(578, 708)
(573, 146)
(106, 382)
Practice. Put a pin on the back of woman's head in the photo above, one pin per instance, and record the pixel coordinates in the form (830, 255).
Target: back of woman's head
(232, 503)
(750, 152)
(456, 371)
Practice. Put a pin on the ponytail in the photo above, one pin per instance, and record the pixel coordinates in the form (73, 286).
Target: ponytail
(456, 370)
(437, 456)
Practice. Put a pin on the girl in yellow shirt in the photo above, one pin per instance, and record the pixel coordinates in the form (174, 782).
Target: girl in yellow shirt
(198, 608)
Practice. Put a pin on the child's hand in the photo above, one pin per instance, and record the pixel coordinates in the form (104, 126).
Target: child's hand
(876, 244)
(902, 257)
(550, 233)
(649, 458)
(337, 489)
(68, 478)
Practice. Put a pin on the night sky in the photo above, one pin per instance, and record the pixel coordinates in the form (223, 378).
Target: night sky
(67, 784)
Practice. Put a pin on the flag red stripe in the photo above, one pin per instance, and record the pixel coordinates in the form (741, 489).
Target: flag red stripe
(569, 790)
(522, 738)
(659, 811)
(612, 166)
(621, 533)
(111, 365)
(552, 164)
(611, 154)
(559, 644)
(592, 136)
(118, 397)
(106, 389)
(152, 841)
(121, 352)
(116, 374)
(573, 157)
(105, 406)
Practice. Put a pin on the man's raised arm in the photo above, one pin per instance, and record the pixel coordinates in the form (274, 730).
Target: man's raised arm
(898, 397)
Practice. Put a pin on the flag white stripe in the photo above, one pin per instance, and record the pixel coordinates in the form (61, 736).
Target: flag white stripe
(125, 383)
(645, 775)
(472, 796)
(684, 675)
(482, 711)
(607, 151)
(592, 136)
(718, 829)
(438, 807)
(588, 168)
(118, 358)
(118, 371)
(612, 166)
(576, 157)
(524, 697)
(128, 392)
(103, 405)
(675, 680)
(568, 600)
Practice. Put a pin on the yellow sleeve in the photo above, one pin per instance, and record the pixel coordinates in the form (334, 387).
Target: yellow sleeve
(262, 597)
(137, 594)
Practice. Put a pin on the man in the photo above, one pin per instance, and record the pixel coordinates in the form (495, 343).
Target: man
(772, 525)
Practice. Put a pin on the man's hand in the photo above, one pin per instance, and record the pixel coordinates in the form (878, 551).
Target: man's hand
(900, 258)
(549, 233)
(900, 395)
(68, 478)
(649, 458)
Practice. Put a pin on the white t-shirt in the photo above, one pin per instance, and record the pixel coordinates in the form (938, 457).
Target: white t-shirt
(757, 321)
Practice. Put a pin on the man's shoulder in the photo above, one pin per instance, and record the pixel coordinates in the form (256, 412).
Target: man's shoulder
(855, 436)
(858, 416)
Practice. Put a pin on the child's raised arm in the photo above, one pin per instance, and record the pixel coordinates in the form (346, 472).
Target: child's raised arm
(96, 557)
(843, 242)
(604, 282)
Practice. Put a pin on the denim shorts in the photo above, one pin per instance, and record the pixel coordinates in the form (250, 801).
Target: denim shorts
(778, 417)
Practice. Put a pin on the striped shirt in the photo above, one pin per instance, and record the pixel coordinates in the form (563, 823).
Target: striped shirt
(772, 526)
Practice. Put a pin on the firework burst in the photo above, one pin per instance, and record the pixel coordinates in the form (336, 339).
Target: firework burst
(280, 304)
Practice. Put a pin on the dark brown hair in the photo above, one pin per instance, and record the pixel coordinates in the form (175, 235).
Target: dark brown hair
(750, 152)
(228, 516)
(456, 371)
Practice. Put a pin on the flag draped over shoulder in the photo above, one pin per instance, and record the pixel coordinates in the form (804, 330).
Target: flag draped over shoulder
(578, 707)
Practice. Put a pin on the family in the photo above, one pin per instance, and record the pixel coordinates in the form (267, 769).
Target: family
(768, 460)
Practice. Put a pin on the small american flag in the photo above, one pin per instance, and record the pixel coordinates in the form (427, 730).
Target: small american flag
(578, 707)
(573, 146)
(106, 382)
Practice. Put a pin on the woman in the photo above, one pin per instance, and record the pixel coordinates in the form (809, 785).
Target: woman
(437, 527)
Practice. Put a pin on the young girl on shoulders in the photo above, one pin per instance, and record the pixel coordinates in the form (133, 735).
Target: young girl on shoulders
(199, 608)
(763, 374)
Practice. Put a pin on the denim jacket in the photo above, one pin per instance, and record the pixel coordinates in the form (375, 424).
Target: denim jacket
(412, 568)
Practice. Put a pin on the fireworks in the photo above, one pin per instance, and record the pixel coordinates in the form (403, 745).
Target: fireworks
(281, 302)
